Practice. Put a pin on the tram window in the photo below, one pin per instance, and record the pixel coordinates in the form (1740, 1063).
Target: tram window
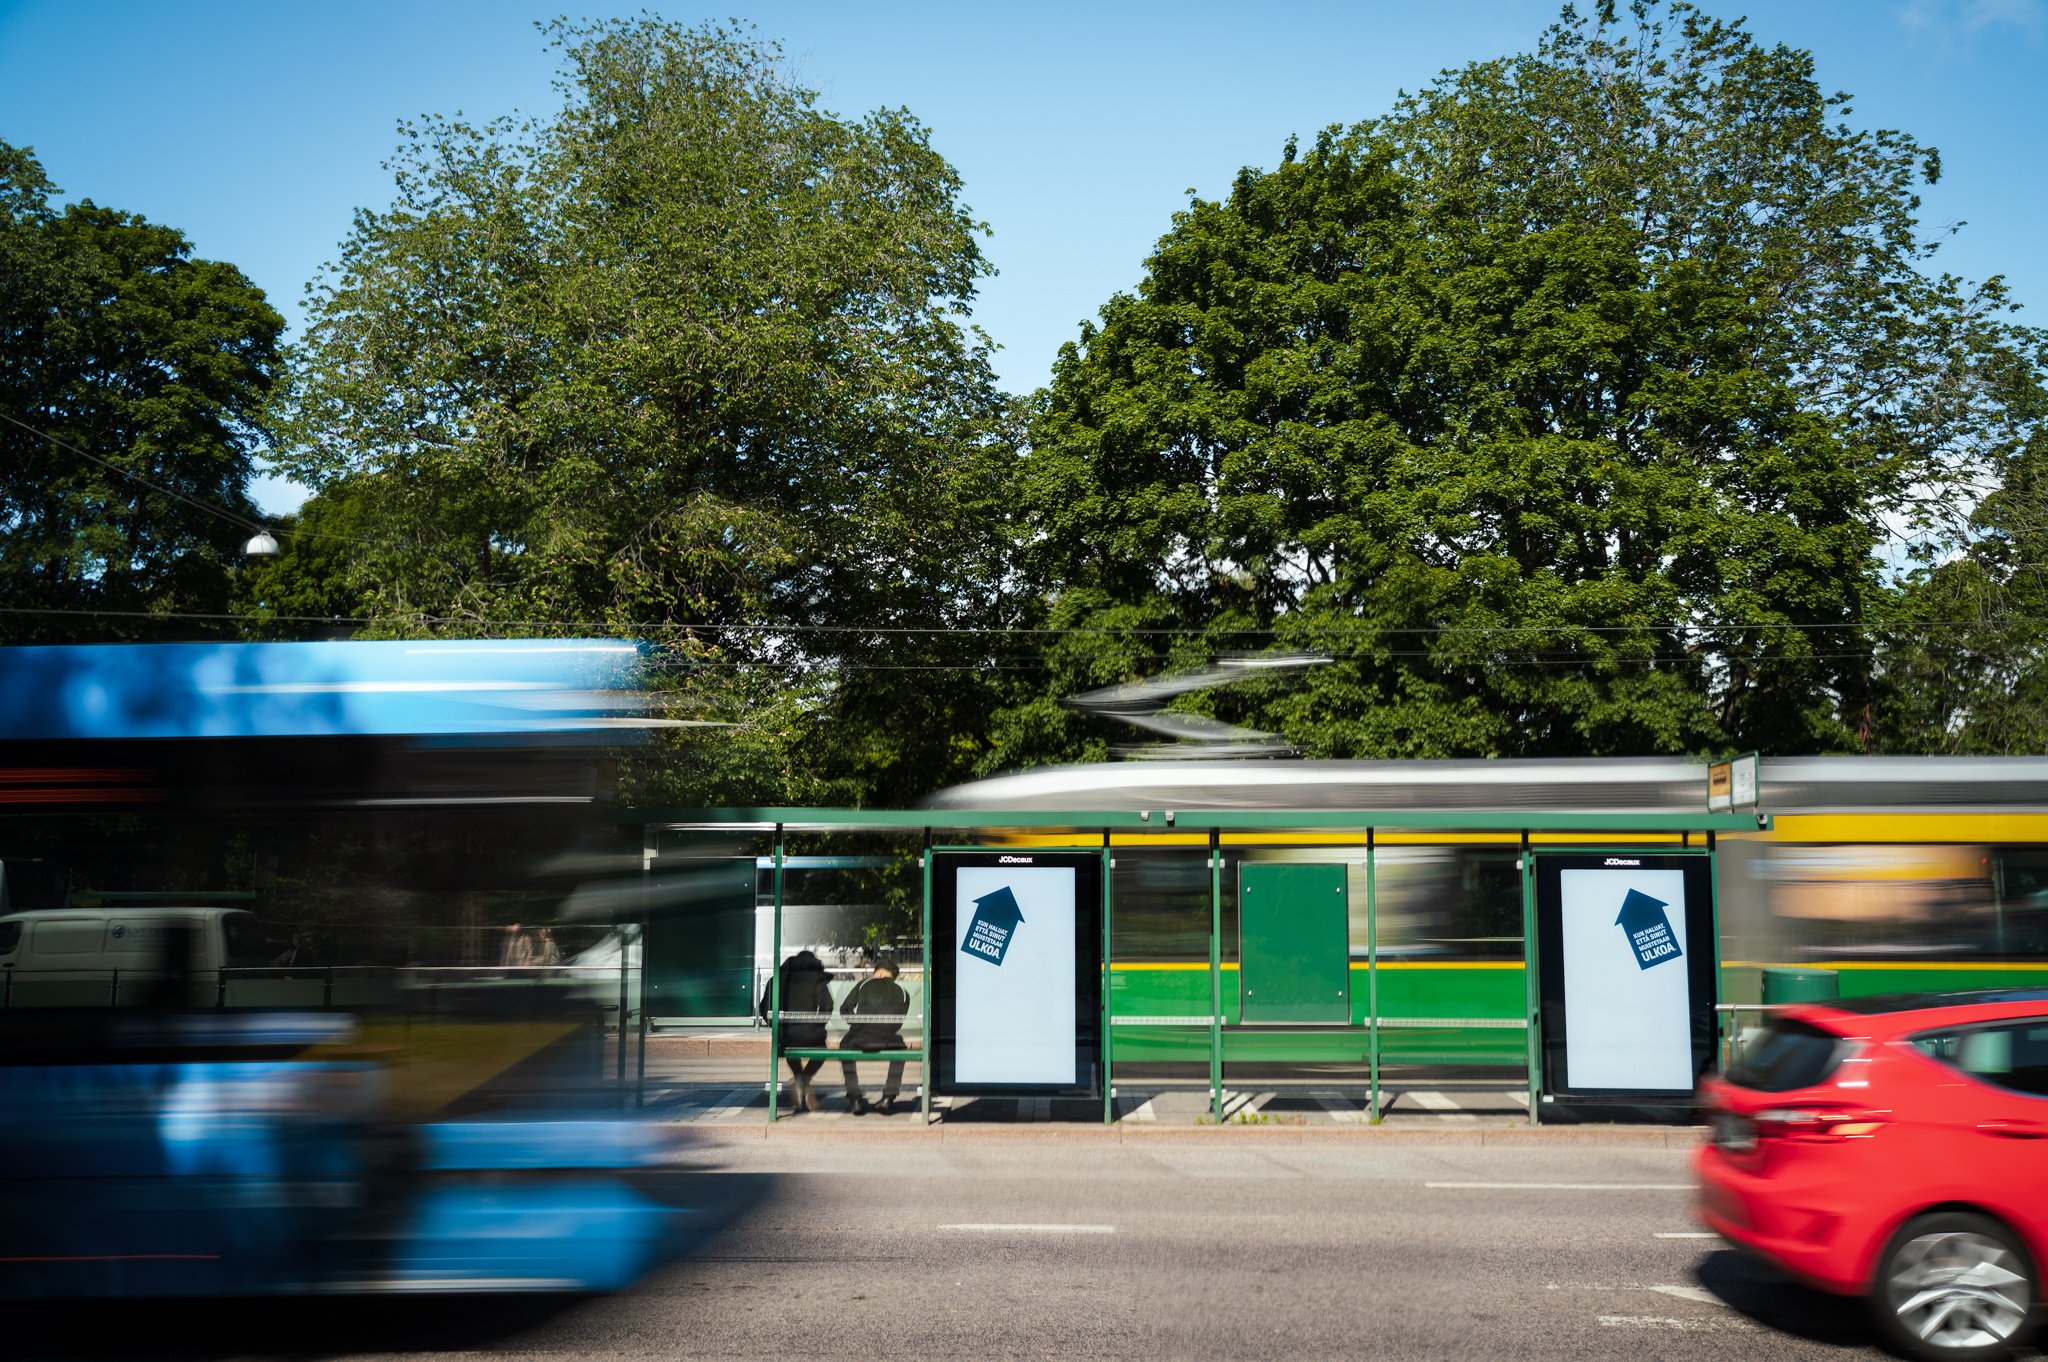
(1446, 903)
(2021, 885)
(1888, 901)
(1161, 906)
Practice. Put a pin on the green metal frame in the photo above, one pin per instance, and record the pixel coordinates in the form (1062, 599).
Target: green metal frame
(775, 990)
(779, 821)
(1372, 978)
(1102, 992)
(1216, 976)
(924, 1035)
(1532, 984)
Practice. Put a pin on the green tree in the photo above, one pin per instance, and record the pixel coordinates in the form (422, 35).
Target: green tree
(132, 381)
(688, 359)
(1965, 668)
(1571, 408)
(311, 587)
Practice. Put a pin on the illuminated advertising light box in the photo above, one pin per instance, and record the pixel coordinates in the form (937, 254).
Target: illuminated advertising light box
(1017, 972)
(1627, 955)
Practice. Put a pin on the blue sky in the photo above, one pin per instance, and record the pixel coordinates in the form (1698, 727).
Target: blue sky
(257, 128)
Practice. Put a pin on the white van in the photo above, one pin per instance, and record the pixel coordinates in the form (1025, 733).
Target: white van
(73, 956)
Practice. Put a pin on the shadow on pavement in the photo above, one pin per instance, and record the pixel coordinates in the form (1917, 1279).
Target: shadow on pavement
(319, 1326)
(1777, 1302)
(1589, 1114)
(1013, 1111)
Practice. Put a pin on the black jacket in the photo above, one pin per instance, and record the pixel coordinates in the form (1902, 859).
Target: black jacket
(885, 1001)
(804, 991)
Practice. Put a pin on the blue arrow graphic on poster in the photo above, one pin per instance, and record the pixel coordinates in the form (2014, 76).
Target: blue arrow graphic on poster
(1643, 919)
(995, 921)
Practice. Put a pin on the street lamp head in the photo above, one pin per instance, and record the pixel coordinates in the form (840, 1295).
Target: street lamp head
(262, 544)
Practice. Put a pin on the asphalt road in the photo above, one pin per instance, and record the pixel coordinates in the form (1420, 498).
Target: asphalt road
(1210, 1244)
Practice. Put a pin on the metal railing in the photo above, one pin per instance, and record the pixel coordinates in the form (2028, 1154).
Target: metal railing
(1733, 1036)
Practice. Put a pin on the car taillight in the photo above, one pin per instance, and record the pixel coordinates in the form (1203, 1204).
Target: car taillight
(1818, 1123)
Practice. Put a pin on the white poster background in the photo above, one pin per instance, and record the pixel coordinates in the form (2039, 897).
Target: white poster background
(1629, 1027)
(1014, 1022)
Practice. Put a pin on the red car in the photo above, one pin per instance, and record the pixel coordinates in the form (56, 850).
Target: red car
(1896, 1149)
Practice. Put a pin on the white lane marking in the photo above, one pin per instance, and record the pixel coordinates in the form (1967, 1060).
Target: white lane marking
(1686, 1234)
(1665, 1322)
(1699, 1293)
(1695, 1294)
(1689, 1293)
(1442, 1105)
(1565, 1186)
(1035, 1229)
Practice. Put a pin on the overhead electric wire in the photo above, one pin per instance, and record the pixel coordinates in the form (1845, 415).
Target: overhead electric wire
(172, 492)
(1034, 631)
(220, 512)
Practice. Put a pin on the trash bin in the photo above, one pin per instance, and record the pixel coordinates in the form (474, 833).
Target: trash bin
(1800, 986)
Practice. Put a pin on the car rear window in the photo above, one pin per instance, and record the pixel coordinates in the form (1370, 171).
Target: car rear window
(2013, 1055)
(1789, 1055)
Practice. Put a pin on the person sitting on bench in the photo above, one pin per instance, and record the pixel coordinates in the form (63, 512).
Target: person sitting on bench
(881, 998)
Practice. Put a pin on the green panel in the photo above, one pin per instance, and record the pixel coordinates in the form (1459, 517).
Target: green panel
(1476, 991)
(1294, 937)
(1275, 1045)
(1509, 1049)
(1149, 990)
(1190, 1045)
(700, 952)
(1480, 990)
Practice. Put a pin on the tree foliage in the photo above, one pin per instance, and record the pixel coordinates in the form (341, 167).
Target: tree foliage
(1586, 403)
(1966, 669)
(132, 381)
(685, 359)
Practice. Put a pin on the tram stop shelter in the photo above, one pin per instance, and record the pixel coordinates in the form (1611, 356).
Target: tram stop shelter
(1047, 953)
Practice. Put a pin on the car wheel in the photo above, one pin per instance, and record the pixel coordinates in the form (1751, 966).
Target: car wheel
(1954, 1286)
